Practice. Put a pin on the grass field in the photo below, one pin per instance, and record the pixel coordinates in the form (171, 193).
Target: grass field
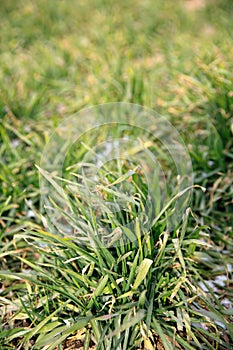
(163, 288)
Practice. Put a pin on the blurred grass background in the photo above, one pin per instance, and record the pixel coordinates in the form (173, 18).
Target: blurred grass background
(59, 56)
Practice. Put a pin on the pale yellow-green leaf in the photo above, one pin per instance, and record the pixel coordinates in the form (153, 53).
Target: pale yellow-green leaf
(142, 272)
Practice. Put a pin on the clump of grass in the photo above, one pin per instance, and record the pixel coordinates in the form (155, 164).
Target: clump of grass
(113, 293)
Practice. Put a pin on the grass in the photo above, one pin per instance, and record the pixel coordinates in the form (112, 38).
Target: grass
(161, 288)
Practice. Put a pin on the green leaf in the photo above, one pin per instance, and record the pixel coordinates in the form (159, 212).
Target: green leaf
(98, 290)
(129, 322)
